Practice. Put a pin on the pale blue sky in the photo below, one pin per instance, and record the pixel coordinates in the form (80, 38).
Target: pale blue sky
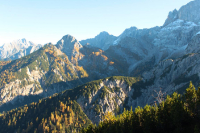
(43, 21)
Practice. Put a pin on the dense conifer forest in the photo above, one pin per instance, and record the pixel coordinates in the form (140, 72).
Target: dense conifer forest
(53, 114)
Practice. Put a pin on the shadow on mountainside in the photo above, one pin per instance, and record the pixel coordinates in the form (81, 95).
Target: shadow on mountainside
(51, 89)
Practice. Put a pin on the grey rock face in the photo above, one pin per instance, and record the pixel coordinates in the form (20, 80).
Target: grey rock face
(111, 101)
(170, 75)
(188, 12)
(140, 34)
(173, 39)
(171, 17)
(193, 46)
(135, 45)
(70, 46)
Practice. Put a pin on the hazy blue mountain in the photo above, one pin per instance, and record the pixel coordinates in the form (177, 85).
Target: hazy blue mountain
(103, 40)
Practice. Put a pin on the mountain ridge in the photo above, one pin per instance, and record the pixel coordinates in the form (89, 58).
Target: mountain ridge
(17, 49)
(103, 40)
(160, 57)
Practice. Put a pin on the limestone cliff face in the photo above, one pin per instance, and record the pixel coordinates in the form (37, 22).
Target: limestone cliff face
(32, 85)
(172, 16)
(188, 12)
(173, 39)
(109, 96)
(193, 46)
(11, 91)
(176, 34)
(171, 75)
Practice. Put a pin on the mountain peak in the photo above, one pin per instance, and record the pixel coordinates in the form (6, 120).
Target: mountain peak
(69, 37)
(103, 40)
(13, 50)
(69, 45)
(172, 16)
(68, 40)
(104, 33)
(23, 39)
(188, 12)
(21, 43)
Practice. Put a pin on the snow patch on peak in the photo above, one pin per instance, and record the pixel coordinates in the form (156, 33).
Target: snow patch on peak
(116, 42)
(198, 33)
(62, 41)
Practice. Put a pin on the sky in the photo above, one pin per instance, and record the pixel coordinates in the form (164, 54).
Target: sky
(44, 21)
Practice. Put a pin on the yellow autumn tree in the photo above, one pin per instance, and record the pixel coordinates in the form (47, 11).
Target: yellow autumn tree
(109, 116)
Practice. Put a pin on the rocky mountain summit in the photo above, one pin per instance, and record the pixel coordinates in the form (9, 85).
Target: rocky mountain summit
(17, 49)
(103, 40)
(70, 46)
(187, 12)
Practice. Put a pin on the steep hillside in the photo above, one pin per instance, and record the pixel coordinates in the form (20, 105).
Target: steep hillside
(177, 113)
(170, 75)
(43, 73)
(100, 64)
(70, 109)
(54, 114)
(53, 69)
(74, 109)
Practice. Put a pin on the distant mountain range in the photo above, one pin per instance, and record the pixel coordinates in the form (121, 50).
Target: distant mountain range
(17, 49)
(164, 57)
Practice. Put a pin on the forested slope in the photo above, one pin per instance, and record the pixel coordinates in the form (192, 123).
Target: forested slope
(177, 113)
